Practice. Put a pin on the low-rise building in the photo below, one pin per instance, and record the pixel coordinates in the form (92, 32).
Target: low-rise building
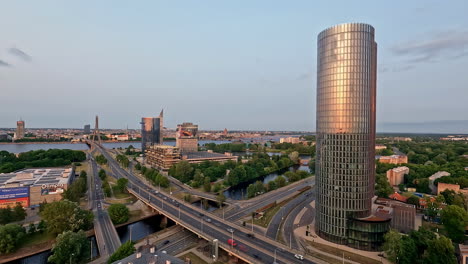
(394, 159)
(380, 146)
(446, 186)
(463, 253)
(293, 140)
(434, 177)
(163, 157)
(403, 215)
(396, 176)
(147, 254)
(30, 187)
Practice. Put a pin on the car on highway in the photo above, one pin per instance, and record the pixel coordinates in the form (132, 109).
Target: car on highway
(208, 220)
(230, 230)
(250, 235)
(243, 248)
(232, 242)
(257, 256)
(166, 242)
(299, 257)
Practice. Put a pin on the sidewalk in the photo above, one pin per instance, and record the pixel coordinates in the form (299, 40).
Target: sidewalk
(313, 237)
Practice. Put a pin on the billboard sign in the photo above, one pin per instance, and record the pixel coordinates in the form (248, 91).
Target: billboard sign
(11, 196)
(47, 189)
(13, 193)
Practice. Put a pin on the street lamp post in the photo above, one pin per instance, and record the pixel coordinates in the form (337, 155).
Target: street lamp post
(279, 249)
(232, 239)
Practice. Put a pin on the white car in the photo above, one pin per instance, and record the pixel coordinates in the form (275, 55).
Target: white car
(300, 257)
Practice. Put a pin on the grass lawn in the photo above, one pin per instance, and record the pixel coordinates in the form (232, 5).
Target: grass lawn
(83, 166)
(270, 212)
(36, 238)
(339, 252)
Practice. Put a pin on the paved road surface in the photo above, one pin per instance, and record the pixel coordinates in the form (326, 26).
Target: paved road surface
(107, 238)
(256, 250)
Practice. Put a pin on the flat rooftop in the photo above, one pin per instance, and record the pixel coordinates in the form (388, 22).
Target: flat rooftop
(203, 155)
(35, 177)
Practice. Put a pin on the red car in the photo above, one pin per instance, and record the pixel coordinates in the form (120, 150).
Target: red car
(232, 242)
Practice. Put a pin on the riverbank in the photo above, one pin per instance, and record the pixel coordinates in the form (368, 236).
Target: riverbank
(30, 250)
(40, 142)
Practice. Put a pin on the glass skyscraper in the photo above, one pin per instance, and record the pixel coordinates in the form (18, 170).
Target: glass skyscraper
(346, 100)
(151, 131)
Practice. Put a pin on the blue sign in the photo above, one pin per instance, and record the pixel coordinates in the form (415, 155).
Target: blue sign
(12, 193)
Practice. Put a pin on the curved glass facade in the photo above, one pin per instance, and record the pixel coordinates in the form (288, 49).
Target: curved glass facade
(346, 95)
(151, 132)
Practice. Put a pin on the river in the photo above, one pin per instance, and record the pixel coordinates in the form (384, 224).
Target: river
(19, 148)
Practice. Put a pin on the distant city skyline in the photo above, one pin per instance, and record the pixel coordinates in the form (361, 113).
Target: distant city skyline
(223, 64)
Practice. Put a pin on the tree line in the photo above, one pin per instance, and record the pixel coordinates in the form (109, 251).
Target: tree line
(39, 158)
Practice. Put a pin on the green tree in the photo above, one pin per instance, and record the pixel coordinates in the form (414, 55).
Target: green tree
(118, 213)
(280, 181)
(421, 238)
(125, 250)
(197, 179)
(65, 215)
(440, 251)
(413, 199)
(122, 184)
(292, 176)
(237, 175)
(102, 174)
(382, 186)
(6, 215)
(294, 156)
(207, 184)
(271, 185)
(70, 247)
(32, 228)
(101, 160)
(455, 219)
(183, 171)
(42, 226)
(392, 245)
(10, 236)
(409, 252)
(221, 198)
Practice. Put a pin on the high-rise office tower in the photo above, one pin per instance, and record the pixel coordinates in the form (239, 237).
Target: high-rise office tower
(151, 131)
(346, 98)
(87, 129)
(20, 129)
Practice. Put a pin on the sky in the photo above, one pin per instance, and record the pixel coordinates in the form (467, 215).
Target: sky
(220, 64)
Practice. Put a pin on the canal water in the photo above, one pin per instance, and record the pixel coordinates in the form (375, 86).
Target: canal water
(138, 230)
(42, 257)
(141, 229)
(239, 192)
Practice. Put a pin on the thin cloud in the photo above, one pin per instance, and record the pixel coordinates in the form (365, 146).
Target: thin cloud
(440, 46)
(303, 76)
(20, 54)
(4, 64)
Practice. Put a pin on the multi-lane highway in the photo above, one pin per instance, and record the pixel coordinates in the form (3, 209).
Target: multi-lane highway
(285, 211)
(107, 238)
(259, 249)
